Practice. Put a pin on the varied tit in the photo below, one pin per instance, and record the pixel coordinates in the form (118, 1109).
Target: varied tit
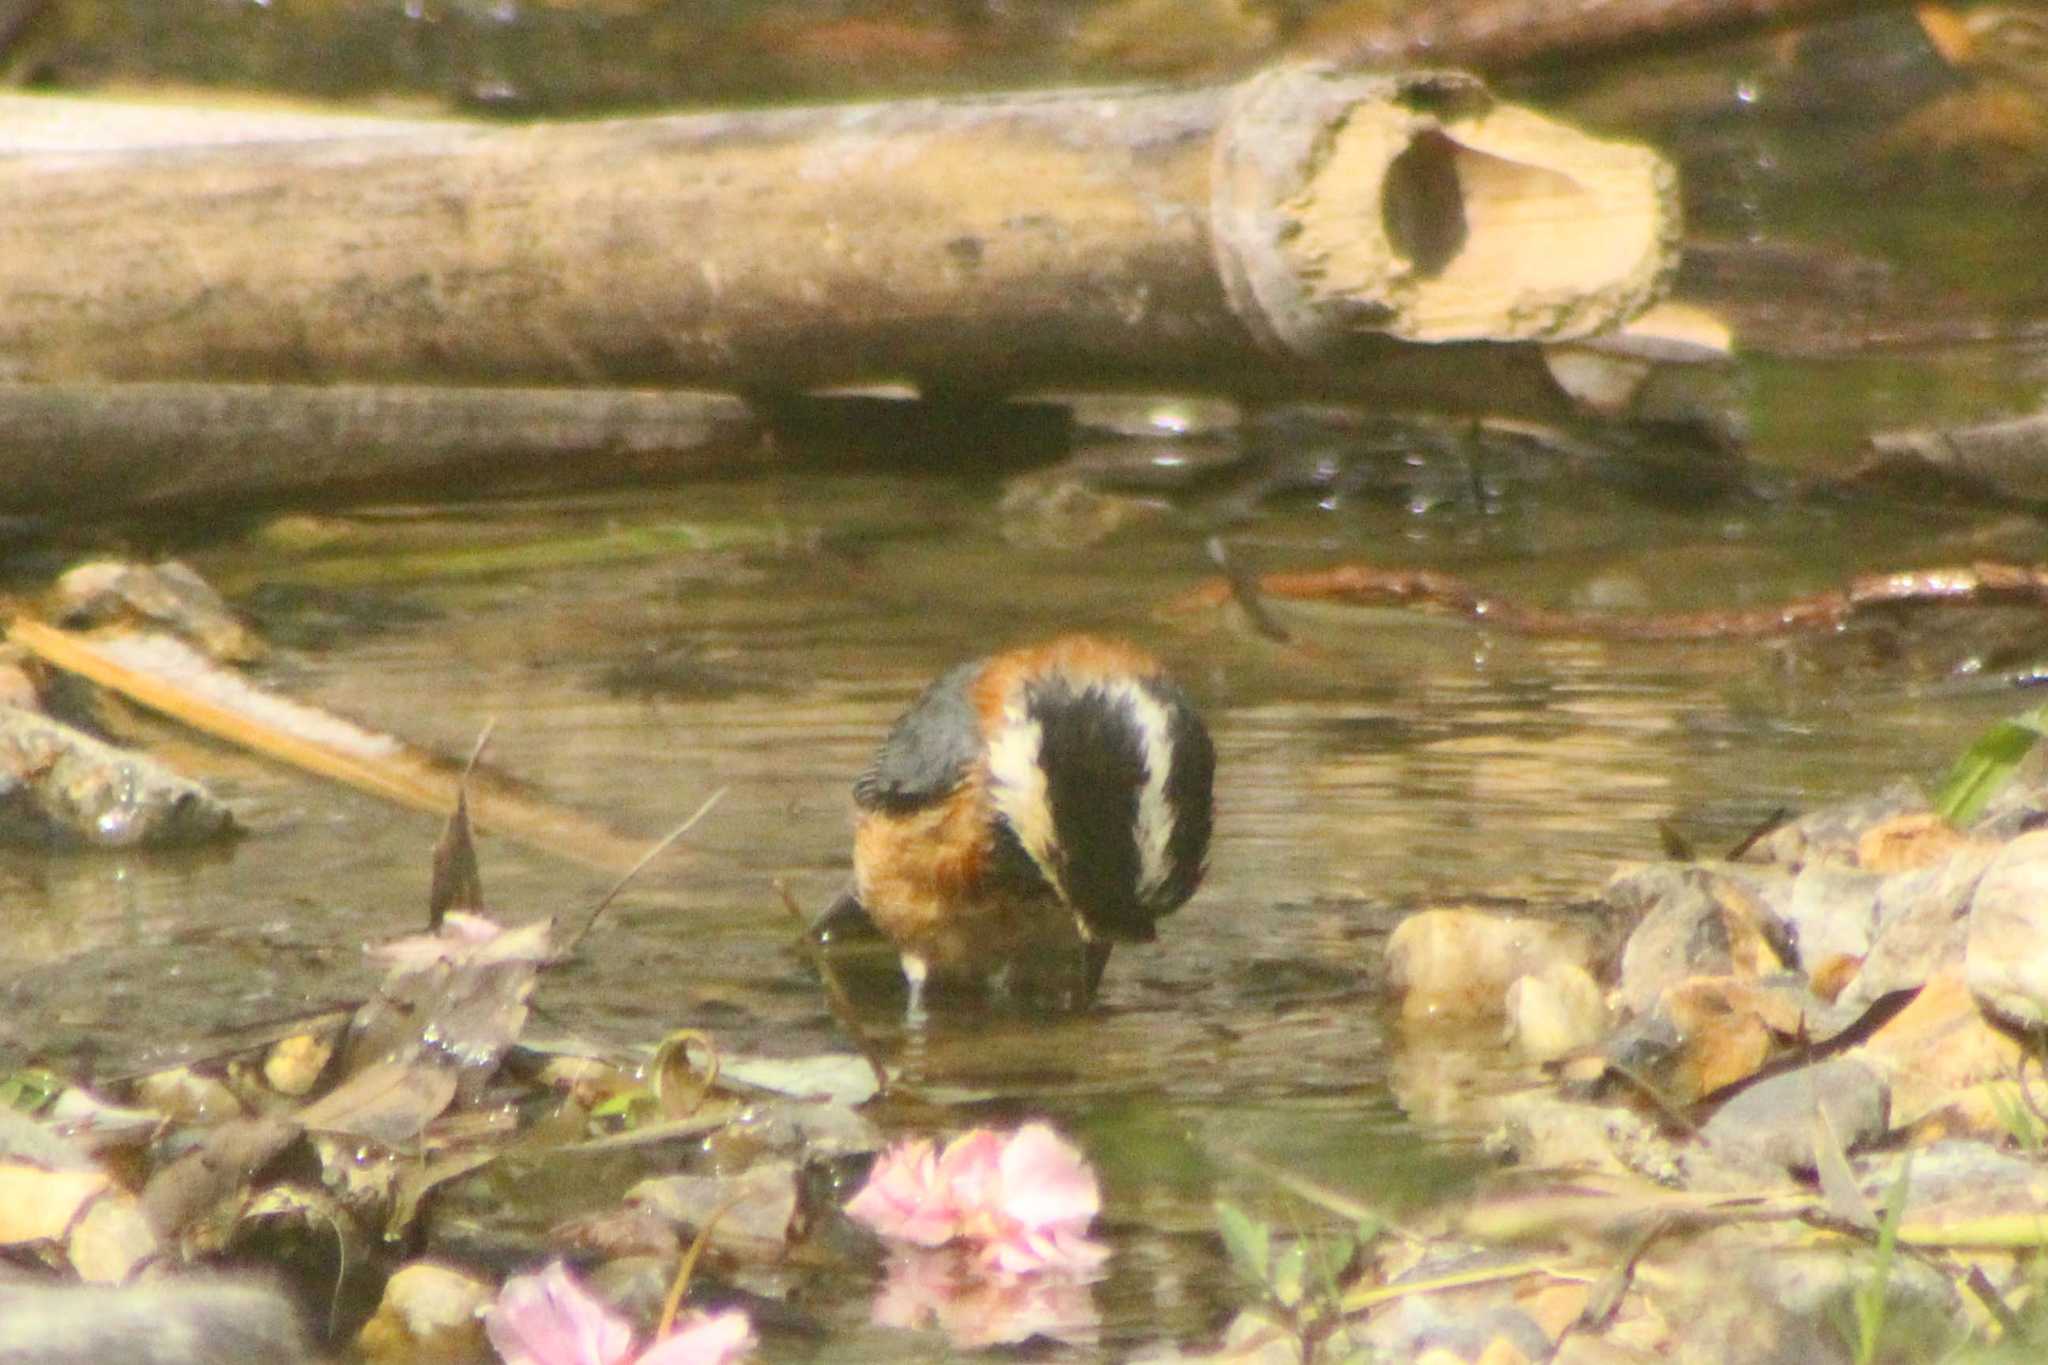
(1031, 810)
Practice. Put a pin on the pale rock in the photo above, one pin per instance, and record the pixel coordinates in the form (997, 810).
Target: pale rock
(1922, 925)
(1772, 1124)
(429, 1312)
(113, 1240)
(2005, 958)
(1555, 1012)
(1454, 965)
(190, 1321)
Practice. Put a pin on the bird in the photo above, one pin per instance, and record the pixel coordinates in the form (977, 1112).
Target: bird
(1031, 810)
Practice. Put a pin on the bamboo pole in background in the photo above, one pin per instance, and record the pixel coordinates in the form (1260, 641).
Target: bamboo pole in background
(1401, 238)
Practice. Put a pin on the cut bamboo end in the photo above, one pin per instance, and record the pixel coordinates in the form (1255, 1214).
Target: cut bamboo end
(1418, 207)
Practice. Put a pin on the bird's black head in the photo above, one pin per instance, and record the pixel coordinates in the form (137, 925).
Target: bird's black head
(1128, 770)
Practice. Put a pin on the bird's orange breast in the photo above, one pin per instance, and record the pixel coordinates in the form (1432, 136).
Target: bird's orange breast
(923, 877)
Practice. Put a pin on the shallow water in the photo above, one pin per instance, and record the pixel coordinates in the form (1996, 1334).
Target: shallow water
(1385, 761)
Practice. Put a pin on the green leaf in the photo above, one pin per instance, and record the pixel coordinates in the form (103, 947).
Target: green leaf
(625, 1104)
(30, 1088)
(1249, 1243)
(1988, 764)
(1290, 1272)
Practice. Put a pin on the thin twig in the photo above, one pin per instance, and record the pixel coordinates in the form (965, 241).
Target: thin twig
(688, 1267)
(476, 753)
(1426, 590)
(1671, 1113)
(1770, 824)
(836, 998)
(620, 885)
(1244, 589)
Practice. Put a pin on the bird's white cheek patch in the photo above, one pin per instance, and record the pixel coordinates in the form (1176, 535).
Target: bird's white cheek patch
(1017, 787)
(1154, 832)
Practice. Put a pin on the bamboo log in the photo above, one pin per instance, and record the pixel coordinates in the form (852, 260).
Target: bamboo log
(91, 447)
(1163, 237)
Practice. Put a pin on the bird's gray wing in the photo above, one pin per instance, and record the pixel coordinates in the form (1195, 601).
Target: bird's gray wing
(928, 752)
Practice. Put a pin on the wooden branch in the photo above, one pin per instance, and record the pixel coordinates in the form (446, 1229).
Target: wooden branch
(1497, 36)
(2007, 457)
(1293, 234)
(1425, 590)
(81, 448)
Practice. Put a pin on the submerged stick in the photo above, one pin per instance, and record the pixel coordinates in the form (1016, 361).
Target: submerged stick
(169, 677)
(1427, 591)
(1296, 233)
(837, 1001)
(626, 878)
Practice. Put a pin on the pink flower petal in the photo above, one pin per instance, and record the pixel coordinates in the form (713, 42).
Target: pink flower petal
(702, 1339)
(549, 1319)
(970, 1170)
(1046, 1182)
(905, 1199)
(1023, 1200)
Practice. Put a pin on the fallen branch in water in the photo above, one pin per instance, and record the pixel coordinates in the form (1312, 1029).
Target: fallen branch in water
(1426, 590)
(173, 679)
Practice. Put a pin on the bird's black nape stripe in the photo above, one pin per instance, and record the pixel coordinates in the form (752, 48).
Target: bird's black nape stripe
(1093, 757)
(1190, 784)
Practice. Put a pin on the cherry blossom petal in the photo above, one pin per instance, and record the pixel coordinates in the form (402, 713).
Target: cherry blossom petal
(971, 1170)
(1046, 1182)
(549, 1319)
(904, 1198)
(1022, 1201)
(702, 1339)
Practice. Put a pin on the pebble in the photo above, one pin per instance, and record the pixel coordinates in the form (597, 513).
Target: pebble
(2005, 958)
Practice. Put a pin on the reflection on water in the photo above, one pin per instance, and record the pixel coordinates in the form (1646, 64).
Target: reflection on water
(1386, 761)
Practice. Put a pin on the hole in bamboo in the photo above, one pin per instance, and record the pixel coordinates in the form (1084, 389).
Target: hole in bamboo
(1422, 205)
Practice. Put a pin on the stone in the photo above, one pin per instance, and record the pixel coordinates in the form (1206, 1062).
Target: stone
(1708, 1032)
(429, 1313)
(1938, 1045)
(1922, 925)
(1831, 912)
(61, 787)
(1834, 833)
(1957, 1182)
(1683, 935)
(1771, 1124)
(1464, 1323)
(1450, 965)
(1741, 1300)
(2005, 955)
(190, 1321)
(113, 1240)
(1555, 1012)
(755, 1210)
(1908, 842)
(1540, 1129)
